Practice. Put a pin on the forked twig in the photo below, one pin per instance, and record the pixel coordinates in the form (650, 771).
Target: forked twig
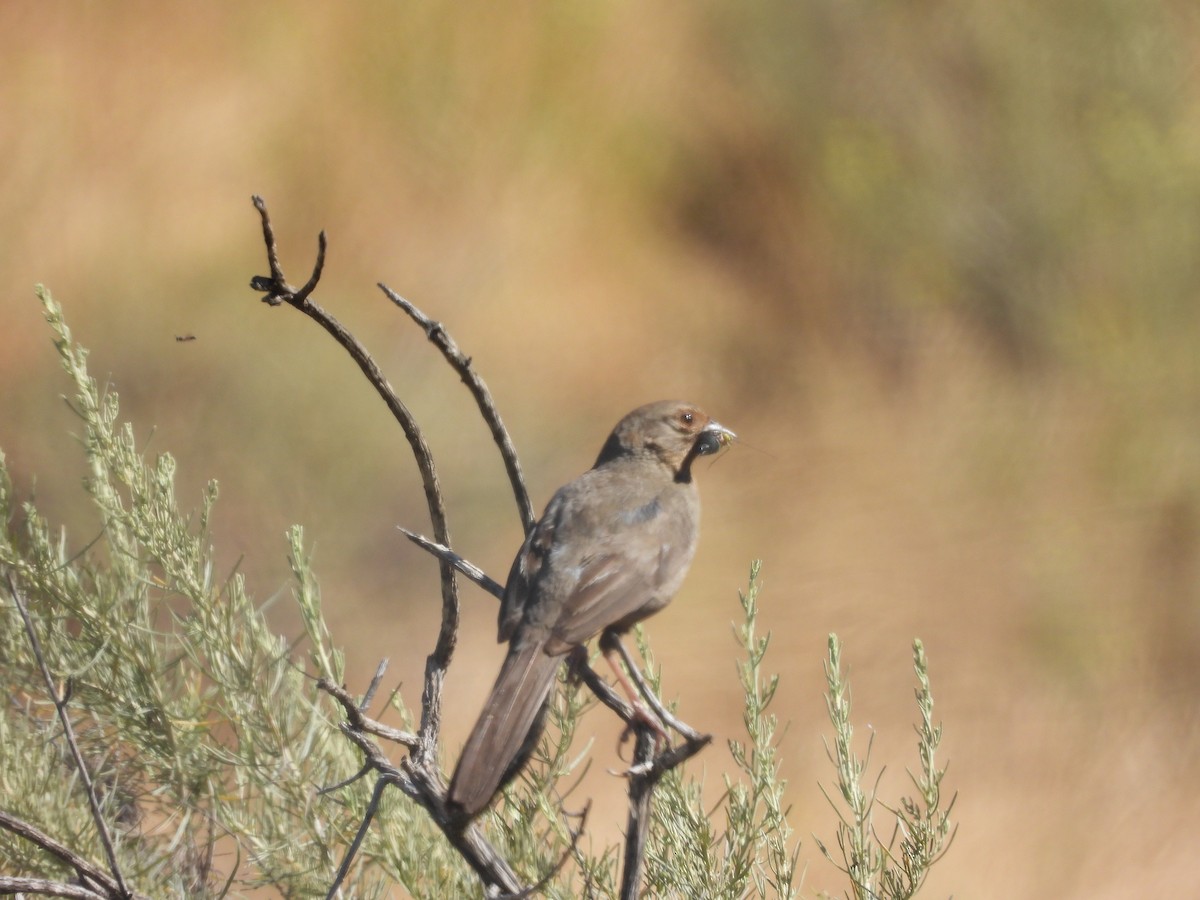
(665, 715)
(357, 718)
(421, 782)
(278, 291)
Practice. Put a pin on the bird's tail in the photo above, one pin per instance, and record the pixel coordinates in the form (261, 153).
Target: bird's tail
(510, 725)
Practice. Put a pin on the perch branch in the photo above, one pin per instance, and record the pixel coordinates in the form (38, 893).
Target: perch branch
(647, 767)
(665, 716)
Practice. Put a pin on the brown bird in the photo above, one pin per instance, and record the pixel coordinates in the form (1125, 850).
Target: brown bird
(611, 549)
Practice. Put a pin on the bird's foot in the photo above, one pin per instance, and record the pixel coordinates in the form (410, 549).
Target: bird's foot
(644, 718)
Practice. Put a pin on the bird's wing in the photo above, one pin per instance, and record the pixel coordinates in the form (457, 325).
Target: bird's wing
(588, 566)
(628, 575)
(528, 570)
(611, 587)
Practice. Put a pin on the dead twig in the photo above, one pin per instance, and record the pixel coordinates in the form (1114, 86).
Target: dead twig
(483, 398)
(21, 886)
(421, 782)
(355, 716)
(352, 850)
(665, 715)
(466, 567)
(87, 871)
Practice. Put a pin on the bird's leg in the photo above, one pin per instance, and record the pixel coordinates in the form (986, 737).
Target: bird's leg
(611, 647)
(613, 643)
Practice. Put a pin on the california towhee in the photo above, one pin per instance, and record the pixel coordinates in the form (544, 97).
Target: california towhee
(611, 549)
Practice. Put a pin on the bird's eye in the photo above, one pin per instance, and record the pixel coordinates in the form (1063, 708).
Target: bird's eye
(686, 418)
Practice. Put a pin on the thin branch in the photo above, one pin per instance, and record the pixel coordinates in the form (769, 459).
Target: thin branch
(483, 398)
(577, 665)
(278, 291)
(19, 886)
(366, 770)
(557, 867)
(83, 867)
(647, 767)
(60, 704)
(373, 686)
(693, 743)
(444, 553)
(358, 720)
(421, 782)
(352, 850)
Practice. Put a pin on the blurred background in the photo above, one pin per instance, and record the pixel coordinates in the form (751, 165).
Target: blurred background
(936, 263)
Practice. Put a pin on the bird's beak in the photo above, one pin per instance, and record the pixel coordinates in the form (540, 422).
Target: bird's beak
(712, 438)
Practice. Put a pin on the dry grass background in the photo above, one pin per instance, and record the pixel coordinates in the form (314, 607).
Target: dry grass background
(936, 263)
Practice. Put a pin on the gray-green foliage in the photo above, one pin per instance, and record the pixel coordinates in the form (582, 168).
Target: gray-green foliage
(921, 829)
(209, 742)
(745, 848)
(205, 730)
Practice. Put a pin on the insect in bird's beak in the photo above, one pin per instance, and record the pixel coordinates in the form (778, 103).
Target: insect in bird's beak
(713, 438)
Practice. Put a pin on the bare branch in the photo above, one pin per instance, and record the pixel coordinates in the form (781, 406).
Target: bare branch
(557, 867)
(472, 571)
(420, 781)
(483, 398)
(352, 850)
(689, 734)
(19, 886)
(366, 770)
(637, 825)
(359, 721)
(376, 680)
(84, 868)
(60, 704)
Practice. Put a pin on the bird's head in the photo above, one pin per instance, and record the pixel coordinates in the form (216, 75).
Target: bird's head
(671, 431)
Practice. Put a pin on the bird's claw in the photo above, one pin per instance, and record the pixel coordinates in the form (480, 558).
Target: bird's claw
(644, 718)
